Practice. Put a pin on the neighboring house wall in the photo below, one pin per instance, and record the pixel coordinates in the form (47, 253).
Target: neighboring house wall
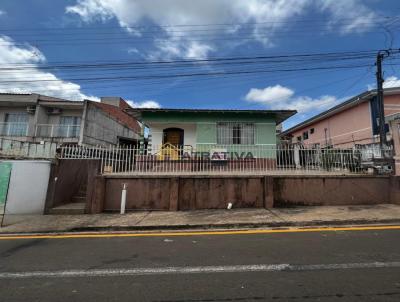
(27, 187)
(38, 121)
(347, 128)
(50, 126)
(392, 104)
(56, 118)
(63, 122)
(101, 128)
(41, 116)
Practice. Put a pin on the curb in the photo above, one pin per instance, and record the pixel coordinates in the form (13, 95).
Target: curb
(284, 224)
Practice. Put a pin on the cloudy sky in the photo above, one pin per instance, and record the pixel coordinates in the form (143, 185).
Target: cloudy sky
(186, 54)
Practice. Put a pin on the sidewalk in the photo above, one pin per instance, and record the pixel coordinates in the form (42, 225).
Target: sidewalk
(204, 219)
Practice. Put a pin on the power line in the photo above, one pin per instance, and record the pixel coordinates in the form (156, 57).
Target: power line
(322, 56)
(168, 76)
(149, 40)
(271, 21)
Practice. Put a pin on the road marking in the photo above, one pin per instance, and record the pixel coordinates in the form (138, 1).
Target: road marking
(195, 270)
(200, 233)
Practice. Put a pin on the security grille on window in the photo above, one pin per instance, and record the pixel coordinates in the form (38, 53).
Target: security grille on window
(229, 133)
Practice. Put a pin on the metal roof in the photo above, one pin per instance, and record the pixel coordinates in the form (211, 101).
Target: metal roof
(14, 93)
(280, 115)
(360, 98)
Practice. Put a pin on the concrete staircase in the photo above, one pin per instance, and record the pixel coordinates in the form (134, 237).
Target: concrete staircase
(75, 207)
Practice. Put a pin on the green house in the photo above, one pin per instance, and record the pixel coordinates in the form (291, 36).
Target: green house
(235, 132)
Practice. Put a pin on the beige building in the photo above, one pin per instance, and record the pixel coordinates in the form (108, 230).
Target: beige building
(38, 118)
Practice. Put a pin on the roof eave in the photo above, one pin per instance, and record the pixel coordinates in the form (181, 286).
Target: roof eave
(280, 115)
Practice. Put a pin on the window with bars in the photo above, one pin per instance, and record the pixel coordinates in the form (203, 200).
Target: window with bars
(232, 133)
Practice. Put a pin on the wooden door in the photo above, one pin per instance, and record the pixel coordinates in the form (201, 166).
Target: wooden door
(173, 136)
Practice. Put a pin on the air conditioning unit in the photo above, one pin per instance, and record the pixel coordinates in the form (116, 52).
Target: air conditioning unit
(31, 109)
(54, 111)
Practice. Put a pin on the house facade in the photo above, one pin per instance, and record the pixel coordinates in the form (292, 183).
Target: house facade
(37, 118)
(223, 131)
(351, 123)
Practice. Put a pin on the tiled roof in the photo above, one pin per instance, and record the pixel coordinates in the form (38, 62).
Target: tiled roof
(119, 114)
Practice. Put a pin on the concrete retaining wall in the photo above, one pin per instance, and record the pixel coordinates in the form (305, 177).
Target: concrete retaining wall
(187, 193)
(215, 192)
(341, 190)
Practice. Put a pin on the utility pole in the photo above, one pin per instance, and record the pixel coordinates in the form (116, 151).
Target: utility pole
(379, 97)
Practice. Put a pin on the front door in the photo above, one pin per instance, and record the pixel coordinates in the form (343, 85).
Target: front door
(173, 136)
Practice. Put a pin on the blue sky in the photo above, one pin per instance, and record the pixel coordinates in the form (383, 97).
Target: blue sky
(52, 33)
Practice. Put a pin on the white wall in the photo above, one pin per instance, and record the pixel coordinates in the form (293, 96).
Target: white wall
(28, 187)
(189, 134)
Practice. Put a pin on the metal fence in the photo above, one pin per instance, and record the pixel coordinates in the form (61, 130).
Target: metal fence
(228, 159)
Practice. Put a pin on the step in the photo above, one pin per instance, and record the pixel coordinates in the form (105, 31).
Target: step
(81, 192)
(75, 208)
(78, 199)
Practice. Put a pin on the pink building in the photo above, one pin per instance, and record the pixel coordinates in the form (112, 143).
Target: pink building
(353, 122)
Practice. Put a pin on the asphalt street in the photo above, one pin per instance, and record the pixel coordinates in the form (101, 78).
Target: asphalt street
(292, 266)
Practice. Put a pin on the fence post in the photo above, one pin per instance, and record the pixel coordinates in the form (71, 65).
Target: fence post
(123, 199)
(296, 151)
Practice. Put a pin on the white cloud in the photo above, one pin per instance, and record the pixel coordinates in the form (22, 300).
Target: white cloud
(280, 97)
(271, 94)
(391, 82)
(197, 50)
(11, 54)
(169, 49)
(348, 15)
(305, 103)
(261, 17)
(144, 104)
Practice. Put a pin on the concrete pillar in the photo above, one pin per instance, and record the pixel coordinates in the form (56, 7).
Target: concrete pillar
(395, 189)
(268, 192)
(95, 197)
(83, 123)
(297, 156)
(174, 194)
(395, 130)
